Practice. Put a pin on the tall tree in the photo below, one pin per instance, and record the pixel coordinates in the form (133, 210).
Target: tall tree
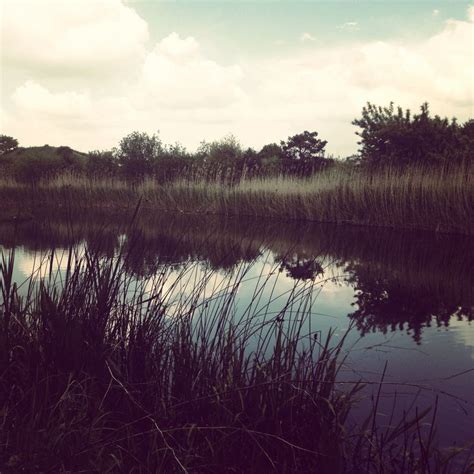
(137, 153)
(304, 152)
(271, 156)
(397, 137)
(7, 144)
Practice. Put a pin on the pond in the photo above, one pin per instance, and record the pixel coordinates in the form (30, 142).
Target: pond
(407, 297)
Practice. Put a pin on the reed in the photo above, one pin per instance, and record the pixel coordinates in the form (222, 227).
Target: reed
(440, 199)
(104, 372)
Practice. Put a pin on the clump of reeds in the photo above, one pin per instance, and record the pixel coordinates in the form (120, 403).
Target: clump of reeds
(418, 197)
(102, 372)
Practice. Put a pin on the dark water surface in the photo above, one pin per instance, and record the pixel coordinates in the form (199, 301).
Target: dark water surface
(409, 296)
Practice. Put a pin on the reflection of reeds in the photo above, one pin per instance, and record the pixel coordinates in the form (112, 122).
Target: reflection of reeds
(420, 198)
(102, 372)
(437, 268)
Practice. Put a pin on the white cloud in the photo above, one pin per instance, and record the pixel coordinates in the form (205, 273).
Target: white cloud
(177, 74)
(35, 98)
(349, 26)
(324, 89)
(180, 90)
(71, 36)
(68, 117)
(175, 47)
(435, 12)
(470, 13)
(307, 37)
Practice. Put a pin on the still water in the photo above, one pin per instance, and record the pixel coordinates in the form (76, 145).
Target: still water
(407, 296)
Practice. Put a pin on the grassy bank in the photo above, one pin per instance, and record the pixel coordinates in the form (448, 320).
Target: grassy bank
(421, 198)
(102, 372)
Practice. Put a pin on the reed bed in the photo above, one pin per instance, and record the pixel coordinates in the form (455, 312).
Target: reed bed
(102, 372)
(440, 199)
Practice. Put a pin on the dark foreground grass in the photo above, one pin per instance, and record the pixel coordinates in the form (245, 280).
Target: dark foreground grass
(101, 372)
(440, 199)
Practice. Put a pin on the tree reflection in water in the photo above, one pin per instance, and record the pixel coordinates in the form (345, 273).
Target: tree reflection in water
(402, 280)
(387, 304)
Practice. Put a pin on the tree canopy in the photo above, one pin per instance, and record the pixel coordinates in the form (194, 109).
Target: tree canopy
(7, 144)
(137, 153)
(395, 136)
(304, 152)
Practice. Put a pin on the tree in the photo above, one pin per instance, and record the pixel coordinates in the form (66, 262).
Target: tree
(304, 152)
(101, 163)
(398, 137)
(174, 161)
(7, 144)
(250, 162)
(300, 268)
(467, 137)
(225, 152)
(271, 157)
(221, 158)
(137, 154)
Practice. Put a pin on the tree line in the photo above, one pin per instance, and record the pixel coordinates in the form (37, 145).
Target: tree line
(140, 154)
(387, 136)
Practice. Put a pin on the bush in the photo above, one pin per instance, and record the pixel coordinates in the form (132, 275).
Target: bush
(101, 163)
(30, 165)
(137, 154)
(392, 136)
(172, 163)
(7, 144)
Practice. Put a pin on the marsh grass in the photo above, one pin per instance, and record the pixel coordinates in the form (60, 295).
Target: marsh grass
(440, 199)
(103, 372)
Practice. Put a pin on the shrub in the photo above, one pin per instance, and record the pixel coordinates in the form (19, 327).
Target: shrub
(397, 137)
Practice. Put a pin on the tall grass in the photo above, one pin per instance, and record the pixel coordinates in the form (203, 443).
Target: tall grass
(102, 372)
(439, 199)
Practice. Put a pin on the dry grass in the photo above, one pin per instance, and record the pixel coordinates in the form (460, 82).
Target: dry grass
(434, 199)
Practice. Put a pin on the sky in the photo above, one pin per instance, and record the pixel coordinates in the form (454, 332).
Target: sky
(85, 73)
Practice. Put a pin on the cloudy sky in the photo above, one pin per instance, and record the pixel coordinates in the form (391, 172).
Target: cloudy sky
(84, 73)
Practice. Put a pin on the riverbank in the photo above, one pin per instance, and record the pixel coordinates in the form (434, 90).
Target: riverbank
(440, 200)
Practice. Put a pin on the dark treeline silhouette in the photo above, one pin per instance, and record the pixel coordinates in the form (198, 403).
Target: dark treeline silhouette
(140, 155)
(388, 136)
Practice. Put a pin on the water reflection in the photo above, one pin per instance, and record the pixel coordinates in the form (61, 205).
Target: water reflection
(387, 303)
(402, 281)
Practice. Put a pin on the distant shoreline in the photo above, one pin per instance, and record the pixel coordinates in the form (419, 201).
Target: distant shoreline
(422, 199)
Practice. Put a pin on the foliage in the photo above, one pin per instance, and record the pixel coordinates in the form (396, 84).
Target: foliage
(221, 159)
(172, 163)
(103, 373)
(7, 144)
(101, 163)
(393, 136)
(224, 153)
(304, 153)
(137, 154)
(271, 157)
(30, 165)
(388, 136)
(251, 163)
